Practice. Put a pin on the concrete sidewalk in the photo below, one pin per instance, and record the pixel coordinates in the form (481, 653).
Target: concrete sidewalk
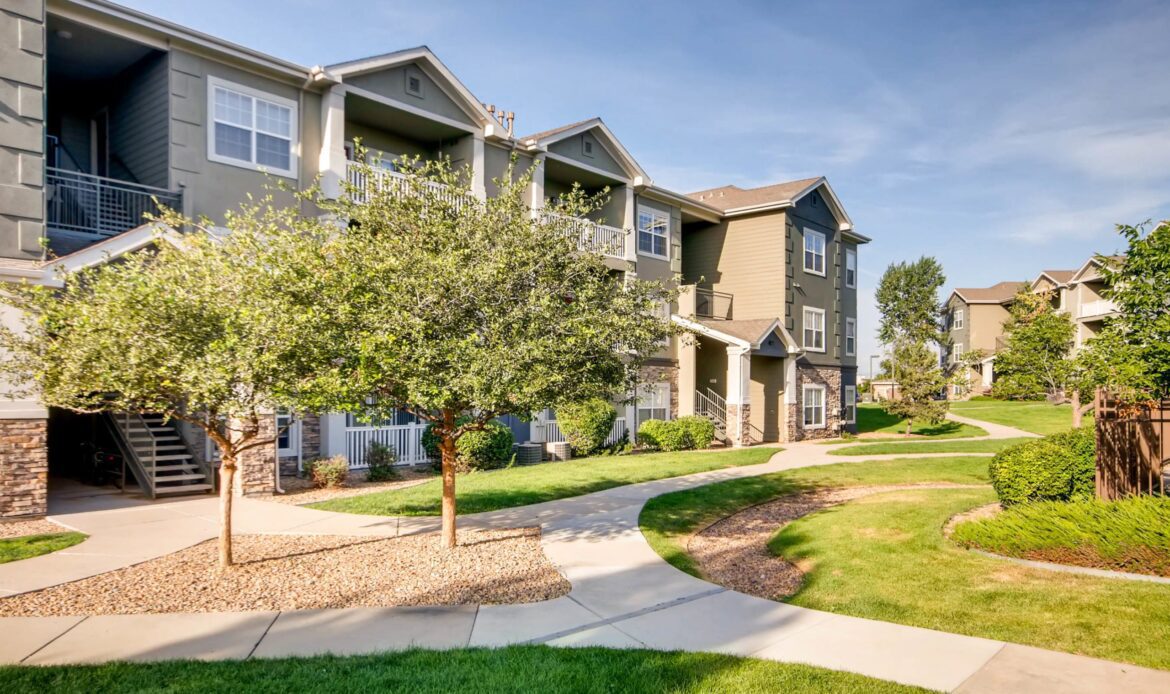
(623, 595)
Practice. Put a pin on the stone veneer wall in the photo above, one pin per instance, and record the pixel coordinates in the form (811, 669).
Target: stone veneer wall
(24, 467)
(310, 444)
(830, 377)
(739, 419)
(256, 475)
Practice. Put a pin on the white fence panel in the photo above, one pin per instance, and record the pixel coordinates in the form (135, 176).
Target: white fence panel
(553, 434)
(406, 440)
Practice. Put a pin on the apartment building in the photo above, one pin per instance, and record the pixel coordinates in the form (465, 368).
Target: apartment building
(106, 109)
(1081, 294)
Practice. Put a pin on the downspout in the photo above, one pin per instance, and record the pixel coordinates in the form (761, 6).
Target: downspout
(276, 453)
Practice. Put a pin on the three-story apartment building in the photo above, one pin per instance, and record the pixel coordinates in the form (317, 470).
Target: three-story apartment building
(104, 110)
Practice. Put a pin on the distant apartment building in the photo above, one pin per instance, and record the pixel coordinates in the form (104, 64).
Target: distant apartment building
(105, 110)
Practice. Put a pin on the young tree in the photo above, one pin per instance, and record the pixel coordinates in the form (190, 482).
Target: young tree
(466, 310)
(1108, 361)
(1139, 284)
(920, 383)
(907, 297)
(1037, 356)
(200, 330)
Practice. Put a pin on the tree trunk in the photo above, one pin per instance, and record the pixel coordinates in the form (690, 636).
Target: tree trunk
(1076, 408)
(227, 478)
(448, 449)
(909, 426)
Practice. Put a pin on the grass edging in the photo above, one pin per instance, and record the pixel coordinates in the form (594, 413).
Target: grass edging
(910, 447)
(29, 546)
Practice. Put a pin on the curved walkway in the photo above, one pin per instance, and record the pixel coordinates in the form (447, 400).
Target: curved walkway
(624, 595)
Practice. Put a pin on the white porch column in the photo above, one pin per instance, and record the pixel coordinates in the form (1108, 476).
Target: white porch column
(332, 157)
(536, 187)
(739, 377)
(687, 354)
(630, 223)
(332, 434)
(478, 174)
(791, 399)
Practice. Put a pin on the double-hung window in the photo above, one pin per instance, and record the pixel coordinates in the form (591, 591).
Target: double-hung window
(653, 232)
(850, 404)
(814, 329)
(851, 268)
(814, 407)
(286, 437)
(850, 337)
(654, 402)
(250, 128)
(957, 352)
(957, 319)
(814, 252)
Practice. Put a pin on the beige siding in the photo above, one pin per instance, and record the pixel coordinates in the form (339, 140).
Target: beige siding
(744, 257)
(985, 325)
(767, 401)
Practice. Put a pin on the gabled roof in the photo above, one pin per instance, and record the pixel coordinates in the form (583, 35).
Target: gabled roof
(608, 140)
(733, 200)
(749, 333)
(435, 69)
(1058, 277)
(999, 293)
(1089, 269)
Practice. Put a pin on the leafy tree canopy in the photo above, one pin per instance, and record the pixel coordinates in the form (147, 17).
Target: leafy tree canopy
(907, 297)
(1139, 284)
(1038, 342)
(921, 382)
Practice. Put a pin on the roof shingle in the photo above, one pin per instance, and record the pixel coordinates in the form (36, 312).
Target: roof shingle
(732, 197)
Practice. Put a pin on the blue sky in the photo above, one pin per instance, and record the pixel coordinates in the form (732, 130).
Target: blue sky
(1001, 137)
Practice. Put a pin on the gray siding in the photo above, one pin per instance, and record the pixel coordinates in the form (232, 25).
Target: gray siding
(573, 148)
(806, 289)
(495, 165)
(139, 122)
(22, 128)
(655, 269)
(392, 83)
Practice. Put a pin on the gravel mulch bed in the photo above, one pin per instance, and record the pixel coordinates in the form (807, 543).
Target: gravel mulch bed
(734, 552)
(286, 572)
(301, 491)
(20, 528)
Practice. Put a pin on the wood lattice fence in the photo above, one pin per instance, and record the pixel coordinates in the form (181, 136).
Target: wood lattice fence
(1133, 446)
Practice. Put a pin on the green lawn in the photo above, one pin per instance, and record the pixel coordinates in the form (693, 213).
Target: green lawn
(1036, 417)
(513, 669)
(884, 557)
(912, 447)
(520, 486)
(871, 418)
(17, 548)
(668, 520)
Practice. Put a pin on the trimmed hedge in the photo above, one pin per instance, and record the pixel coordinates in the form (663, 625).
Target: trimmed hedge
(681, 434)
(700, 430)
(586, 425)
(1060, 467)
(328, 473)
(487, 449)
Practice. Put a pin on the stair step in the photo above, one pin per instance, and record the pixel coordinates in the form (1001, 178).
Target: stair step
(148, 439)
(173, 456)
(178, 478)
(183, 489)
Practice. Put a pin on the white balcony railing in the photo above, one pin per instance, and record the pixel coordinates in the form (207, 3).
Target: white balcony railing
(594, 237)
(365, 179)
(1100, 307)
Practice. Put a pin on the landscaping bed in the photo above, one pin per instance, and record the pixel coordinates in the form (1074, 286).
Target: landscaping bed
(289, 572)
(1130, 535)
(300, 491)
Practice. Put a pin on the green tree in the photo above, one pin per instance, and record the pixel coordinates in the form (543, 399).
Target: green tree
(464, 310)
(920, 383)
(1037, 353)
(1139, 284)
(907, 297)
(1108, 360)
(204, 330)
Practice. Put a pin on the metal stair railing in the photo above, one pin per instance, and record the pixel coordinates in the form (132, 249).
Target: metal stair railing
(714, 407)
(144, 473)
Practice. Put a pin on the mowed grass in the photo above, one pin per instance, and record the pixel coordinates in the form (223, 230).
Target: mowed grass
(520, 486)
(884, 557)
(871, 418)
(1131, 534)
(667, 521)
(915, 447)
(1035, 417)
(512, 669)
(17, 548)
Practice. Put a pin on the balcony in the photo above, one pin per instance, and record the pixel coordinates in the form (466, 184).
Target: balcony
(593, 237)
(712, 304)
(1098, 309)
(365, 179)
(96, 205)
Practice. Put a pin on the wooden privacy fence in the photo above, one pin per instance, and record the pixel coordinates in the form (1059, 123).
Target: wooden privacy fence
(1133, 446)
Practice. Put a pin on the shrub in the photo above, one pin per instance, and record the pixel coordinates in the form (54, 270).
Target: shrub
(381, 459)
(1060, 467)
(656, 434)
(586, 425)
(330, 472)
(699, 430)
(488, 449)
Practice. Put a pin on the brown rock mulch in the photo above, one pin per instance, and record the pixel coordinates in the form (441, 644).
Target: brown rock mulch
(21, 528)
(733, 552)
(287, 572)
(300, 491)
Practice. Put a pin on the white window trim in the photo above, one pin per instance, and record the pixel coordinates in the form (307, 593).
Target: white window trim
(850, 333)
(804, 328)
(958, 319)
(824, 406)
(851, 256)
(850, 405)
(956, 352)
(294, 145)
(291, 432)
(638, 408)
(638, 231)
(824, 252)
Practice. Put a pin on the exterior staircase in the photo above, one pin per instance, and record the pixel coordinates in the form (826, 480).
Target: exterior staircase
(713, 406)
(154, 449)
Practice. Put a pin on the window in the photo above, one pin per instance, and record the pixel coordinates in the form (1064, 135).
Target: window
(285, 438)
(654, 402)
(814, 329)
(814, 407)
(850, 268)
(850, 404)
(653, 232)
(586, 146)
(957, 319)
(814, 252)
(414, 82)
(250, 128)
(957, 353)
(850, 337)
